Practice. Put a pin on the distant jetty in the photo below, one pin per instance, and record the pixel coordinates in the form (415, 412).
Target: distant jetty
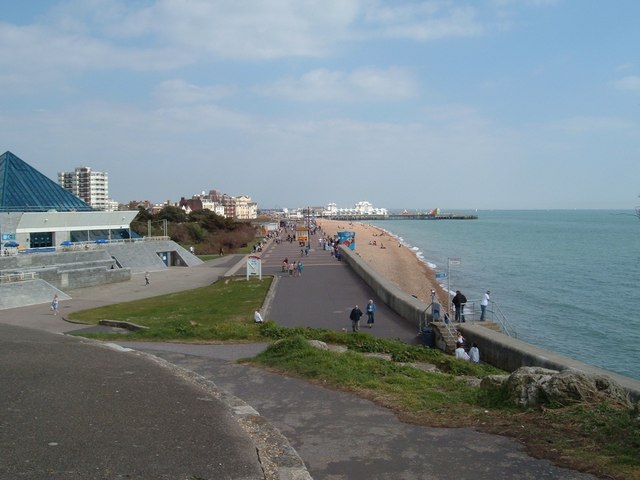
(402, 216)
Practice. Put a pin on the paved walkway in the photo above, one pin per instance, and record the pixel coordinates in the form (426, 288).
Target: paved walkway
(338, 435)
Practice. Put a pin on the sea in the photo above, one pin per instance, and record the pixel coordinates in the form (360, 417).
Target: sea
(567, 281)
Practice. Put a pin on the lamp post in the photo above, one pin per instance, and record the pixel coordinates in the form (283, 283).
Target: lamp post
(450, 261)
(309, 227)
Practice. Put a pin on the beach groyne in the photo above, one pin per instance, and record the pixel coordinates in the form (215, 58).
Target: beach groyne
(497, 349)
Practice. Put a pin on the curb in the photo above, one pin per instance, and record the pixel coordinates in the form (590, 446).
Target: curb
(279, 460)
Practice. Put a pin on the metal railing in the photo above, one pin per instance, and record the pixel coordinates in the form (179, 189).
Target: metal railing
(83, 245)
(18, 277)
(494, 313)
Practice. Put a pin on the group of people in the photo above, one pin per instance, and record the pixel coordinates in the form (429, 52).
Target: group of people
(473, 355)
(459, 301)
(356, 314)
(294, 268)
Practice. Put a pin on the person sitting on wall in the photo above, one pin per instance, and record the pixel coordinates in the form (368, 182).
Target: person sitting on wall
(460, 353)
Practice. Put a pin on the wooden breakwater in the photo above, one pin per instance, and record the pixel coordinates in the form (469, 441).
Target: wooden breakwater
(403, 216)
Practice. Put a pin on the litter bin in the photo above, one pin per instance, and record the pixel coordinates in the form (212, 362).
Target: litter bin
(428, 337)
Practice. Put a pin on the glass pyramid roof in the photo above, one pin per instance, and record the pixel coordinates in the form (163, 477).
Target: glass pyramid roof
(24, 189)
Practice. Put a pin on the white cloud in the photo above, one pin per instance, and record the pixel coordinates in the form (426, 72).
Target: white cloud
(629, 83)
(424, 21)
(177, 91)
(254, 29)
(586, 124)
(365, 84)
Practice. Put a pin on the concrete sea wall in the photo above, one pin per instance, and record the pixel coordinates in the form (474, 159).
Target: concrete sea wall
(497, 349)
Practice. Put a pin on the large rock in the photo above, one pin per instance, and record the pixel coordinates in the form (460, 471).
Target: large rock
(525, 385)
(532, 386)
(572, 386)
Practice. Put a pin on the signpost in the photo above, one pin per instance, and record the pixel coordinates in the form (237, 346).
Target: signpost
(254, 266)
(450, 261)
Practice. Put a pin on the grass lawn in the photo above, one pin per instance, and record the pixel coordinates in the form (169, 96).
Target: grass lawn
(219, 312)
(600, 438)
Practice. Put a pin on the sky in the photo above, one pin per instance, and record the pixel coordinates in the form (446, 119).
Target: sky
(477, 104)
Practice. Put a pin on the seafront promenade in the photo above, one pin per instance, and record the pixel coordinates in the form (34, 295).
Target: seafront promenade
(337, 434)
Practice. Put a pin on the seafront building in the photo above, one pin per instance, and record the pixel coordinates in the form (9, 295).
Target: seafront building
(241, 207)
(90, 186)
(35, 212)
(53, 241)
(360, 208)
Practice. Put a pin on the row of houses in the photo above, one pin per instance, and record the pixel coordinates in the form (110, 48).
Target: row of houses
(239, 208)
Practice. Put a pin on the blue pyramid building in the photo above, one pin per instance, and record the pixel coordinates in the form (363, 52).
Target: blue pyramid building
(24, 189)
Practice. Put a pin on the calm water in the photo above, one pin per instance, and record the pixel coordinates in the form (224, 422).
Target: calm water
(568, 281)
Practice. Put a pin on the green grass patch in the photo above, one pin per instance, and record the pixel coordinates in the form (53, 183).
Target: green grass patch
(218, 312)
(398, 386)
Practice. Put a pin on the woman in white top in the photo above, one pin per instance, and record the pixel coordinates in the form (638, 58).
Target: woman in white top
(474, 353)
(461, 354)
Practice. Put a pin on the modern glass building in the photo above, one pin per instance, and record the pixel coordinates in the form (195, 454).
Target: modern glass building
(35, 212)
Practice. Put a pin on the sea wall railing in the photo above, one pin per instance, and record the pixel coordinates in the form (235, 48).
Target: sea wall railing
(472, 312)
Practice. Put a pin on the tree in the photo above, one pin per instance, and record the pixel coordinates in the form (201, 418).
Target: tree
(171, 214)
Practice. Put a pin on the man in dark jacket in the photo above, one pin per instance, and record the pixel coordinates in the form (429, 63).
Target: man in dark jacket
(458, 301)
(355, 315)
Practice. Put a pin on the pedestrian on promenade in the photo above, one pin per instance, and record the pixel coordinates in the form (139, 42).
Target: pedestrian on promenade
(295, 268)
(371, 309)
(458, 301)
(484, 303)
(257, 316)
(285, 264)
(300, 267)
(355, 315)
(291, 265)
(55, 303)
(146, 278)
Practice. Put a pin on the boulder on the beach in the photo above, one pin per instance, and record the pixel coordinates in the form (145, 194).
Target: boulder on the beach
(533, 386)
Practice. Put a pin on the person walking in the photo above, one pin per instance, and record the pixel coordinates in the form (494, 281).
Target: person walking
(484, 303)
(300, 267)
(55, 303)
(371, 309)
(257, 316)
(355, 315)
(146, 278)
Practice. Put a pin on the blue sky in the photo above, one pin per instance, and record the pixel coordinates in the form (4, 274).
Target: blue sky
(407, 104)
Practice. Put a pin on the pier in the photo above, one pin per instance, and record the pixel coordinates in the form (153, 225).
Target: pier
(403, 216)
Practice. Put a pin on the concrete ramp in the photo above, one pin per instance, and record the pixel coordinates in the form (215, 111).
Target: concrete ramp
(29, 292)
(151, 256)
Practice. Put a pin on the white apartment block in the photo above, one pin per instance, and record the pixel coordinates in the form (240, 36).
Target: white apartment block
(90, 186)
